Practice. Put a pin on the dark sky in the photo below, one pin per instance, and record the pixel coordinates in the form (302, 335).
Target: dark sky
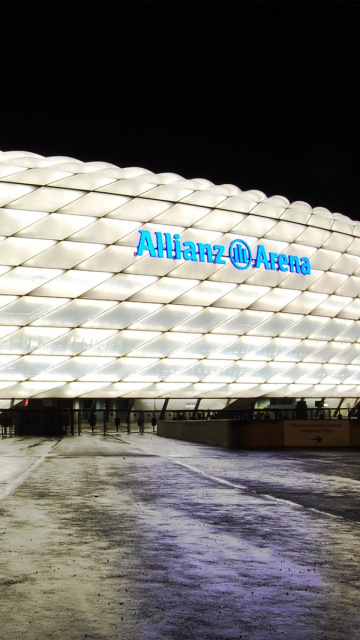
(263, 95)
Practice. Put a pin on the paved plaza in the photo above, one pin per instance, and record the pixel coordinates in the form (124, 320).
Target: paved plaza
(137, 537)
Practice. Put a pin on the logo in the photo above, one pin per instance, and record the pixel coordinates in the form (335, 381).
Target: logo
(240, 254)
(166, 245)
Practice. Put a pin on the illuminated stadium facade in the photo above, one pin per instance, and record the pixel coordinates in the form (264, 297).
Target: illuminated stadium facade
(117, 284)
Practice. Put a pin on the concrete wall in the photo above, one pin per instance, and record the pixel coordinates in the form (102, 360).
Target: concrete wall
(266, 434)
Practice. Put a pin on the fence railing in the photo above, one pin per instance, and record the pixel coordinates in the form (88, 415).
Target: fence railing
(73, 421)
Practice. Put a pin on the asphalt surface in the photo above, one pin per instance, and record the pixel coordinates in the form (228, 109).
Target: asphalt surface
(137, 537)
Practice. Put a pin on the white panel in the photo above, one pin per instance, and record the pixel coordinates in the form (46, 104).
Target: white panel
(305, 327)
(73, 313)
(205, 346)
(354, 374)
(189, 216)
(12, 192)
(65, 255)
(275, 300)
(119, 287)
(346, 264)
(14, 251)
(300, 281)
(332, 328)
(46, 199)
(272, 349)
(267, 277)
(29, 338)
(351, 334)
(167, 317)
(72, 283)
(287, 231)
(292, 373)
(236, 371)
(256, 226)
(73, 389)
(350, 288)
(110, 259)
(337, 375)
(13, 221)
(27, 309)
(93, 204)
(324, 259)
(313, 237)
(22, 280)
(206, 293)
(351, 310)
(117, 370)
(188, 269)
(40, 176)
(165, 290)
(121, 343)
(243, 322)
(123, 315)
(354, 247)
(140, 210)
(241, 297)
(328, 283)
(161, 370)
(275, 325)
(72, 368)
(207, 320)
(106, 230)
(317, 374)
(301, 350)
(224, 222)
(305, 303)
(337, 242)
(331, 306)
(326, 353)
(151, 266)
(351, 355)
(28, 366)
(265, 372)
(166, 344)
(55, 226)
(29, 389)
(85, 181)
(240, 348)
(198, 371)
(75, 341)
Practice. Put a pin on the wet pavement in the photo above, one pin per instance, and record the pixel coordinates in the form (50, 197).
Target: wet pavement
(137, 537)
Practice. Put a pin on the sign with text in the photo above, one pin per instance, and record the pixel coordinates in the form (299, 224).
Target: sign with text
(316, 433)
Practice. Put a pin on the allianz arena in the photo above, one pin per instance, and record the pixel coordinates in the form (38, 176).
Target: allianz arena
(118, 284)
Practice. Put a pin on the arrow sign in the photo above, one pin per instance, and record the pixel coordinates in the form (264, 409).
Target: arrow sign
(317, 439)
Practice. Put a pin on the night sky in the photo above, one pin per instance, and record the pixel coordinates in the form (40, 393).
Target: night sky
(262, 95)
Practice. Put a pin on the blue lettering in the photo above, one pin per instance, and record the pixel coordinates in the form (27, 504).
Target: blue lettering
(273, 257)
(219, 248)
(283, 262)
(305, 266)
(189, 251)
(205, 248)
(159, 244)
(261, 258)
(294, 264)
(162, 245)
(146, 244)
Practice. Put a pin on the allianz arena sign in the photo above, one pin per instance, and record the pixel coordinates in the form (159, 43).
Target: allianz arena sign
(164, 245)
(121, 283)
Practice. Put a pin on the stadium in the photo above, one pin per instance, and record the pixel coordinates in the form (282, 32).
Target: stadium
(132, 296)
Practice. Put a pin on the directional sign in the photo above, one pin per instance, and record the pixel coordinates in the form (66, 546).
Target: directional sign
(316, 433)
